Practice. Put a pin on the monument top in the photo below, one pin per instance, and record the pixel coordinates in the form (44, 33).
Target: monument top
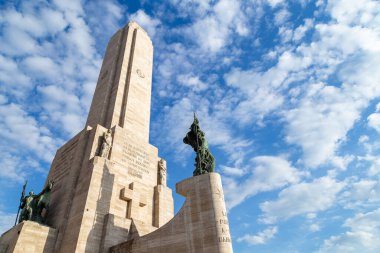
(137, 26)
(123, 92)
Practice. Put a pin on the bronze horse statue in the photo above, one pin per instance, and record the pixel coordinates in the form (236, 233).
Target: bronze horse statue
(34, 207)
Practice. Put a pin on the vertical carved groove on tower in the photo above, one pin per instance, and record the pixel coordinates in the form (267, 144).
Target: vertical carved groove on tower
(121, 49)
(128, 79)
(123, 93)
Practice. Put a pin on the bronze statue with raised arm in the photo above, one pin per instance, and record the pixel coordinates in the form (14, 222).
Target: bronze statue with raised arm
(204, 161)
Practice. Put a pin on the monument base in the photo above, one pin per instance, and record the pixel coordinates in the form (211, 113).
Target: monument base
(28, 237)
(201, 226)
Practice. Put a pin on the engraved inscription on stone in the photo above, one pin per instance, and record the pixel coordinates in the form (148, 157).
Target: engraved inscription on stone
(137, 159)
(224, 239)
(223, 222)
(63, 164)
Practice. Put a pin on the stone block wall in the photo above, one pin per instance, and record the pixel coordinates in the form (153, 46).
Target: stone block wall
(201, 226)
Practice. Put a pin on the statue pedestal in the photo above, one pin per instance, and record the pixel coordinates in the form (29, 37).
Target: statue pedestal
(28, 237)
(201, 226)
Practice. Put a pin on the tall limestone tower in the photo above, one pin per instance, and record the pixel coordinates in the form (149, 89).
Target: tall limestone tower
(110, 192)
(102, 187)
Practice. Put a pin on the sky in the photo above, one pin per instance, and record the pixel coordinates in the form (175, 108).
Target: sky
(287, 93)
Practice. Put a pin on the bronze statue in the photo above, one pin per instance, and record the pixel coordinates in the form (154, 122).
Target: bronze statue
(27, 206)
(33, 206)
(204, 161)
(106, 144)
(21, 199)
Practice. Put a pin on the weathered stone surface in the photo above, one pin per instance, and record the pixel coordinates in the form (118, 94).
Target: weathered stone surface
(200, 226)
(88, 205)
(106, 197)
(28, 237)
(123, 92)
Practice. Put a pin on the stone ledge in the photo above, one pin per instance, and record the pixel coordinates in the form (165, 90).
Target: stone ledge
(200, 226)
(28, 237)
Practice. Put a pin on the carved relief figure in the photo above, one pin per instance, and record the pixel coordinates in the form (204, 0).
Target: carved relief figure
(162, 172)
(106, 144)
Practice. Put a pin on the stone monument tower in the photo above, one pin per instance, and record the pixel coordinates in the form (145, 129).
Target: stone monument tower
(110, 192)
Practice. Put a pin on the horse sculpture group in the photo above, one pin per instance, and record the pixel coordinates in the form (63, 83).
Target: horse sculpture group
(34, 207)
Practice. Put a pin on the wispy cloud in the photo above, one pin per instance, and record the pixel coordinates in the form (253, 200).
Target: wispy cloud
(261, 237)
(265, 173)
(302, 198)
(362, 236)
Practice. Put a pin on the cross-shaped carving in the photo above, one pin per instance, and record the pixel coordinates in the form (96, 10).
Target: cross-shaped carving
(134, 200)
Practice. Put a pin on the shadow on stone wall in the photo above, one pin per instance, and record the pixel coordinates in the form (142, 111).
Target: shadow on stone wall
(102, 208)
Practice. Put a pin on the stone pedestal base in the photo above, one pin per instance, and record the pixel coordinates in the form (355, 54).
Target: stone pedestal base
(28, 237)
(201, 226)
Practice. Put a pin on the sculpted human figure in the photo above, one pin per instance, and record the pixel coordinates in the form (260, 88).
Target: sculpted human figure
(42, 202)
(27, 207)
(106, 144)
(162, 172)
(204, 161)
(33, 205)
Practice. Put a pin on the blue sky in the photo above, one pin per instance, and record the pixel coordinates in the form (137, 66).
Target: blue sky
(287, 92)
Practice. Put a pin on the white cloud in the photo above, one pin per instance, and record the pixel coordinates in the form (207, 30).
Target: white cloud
(260, 97)
(216, 34)
(11, 167)
(374, 160)
(361, 193)
(7, 220)
(326, 113)
(22, 130)
(110, 13)
(37, 22)
(363, 13)
(321, 122)
(230, 171)
(42, 67)
(53, 20)
(363, 235)
(302, 198)
(374, 121)
(319, 115)
(145, 21)
(219, 23)
(48, 48)
(263, 91)
(191, 7)
(274, 3)
(266, 174)
(3, 99)
(75, 7)
(281, 16)
(17, 42)
(192, 82)
(260, 238)
(314, 227)
(300, 31)
(14, 81)
(55, 98)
